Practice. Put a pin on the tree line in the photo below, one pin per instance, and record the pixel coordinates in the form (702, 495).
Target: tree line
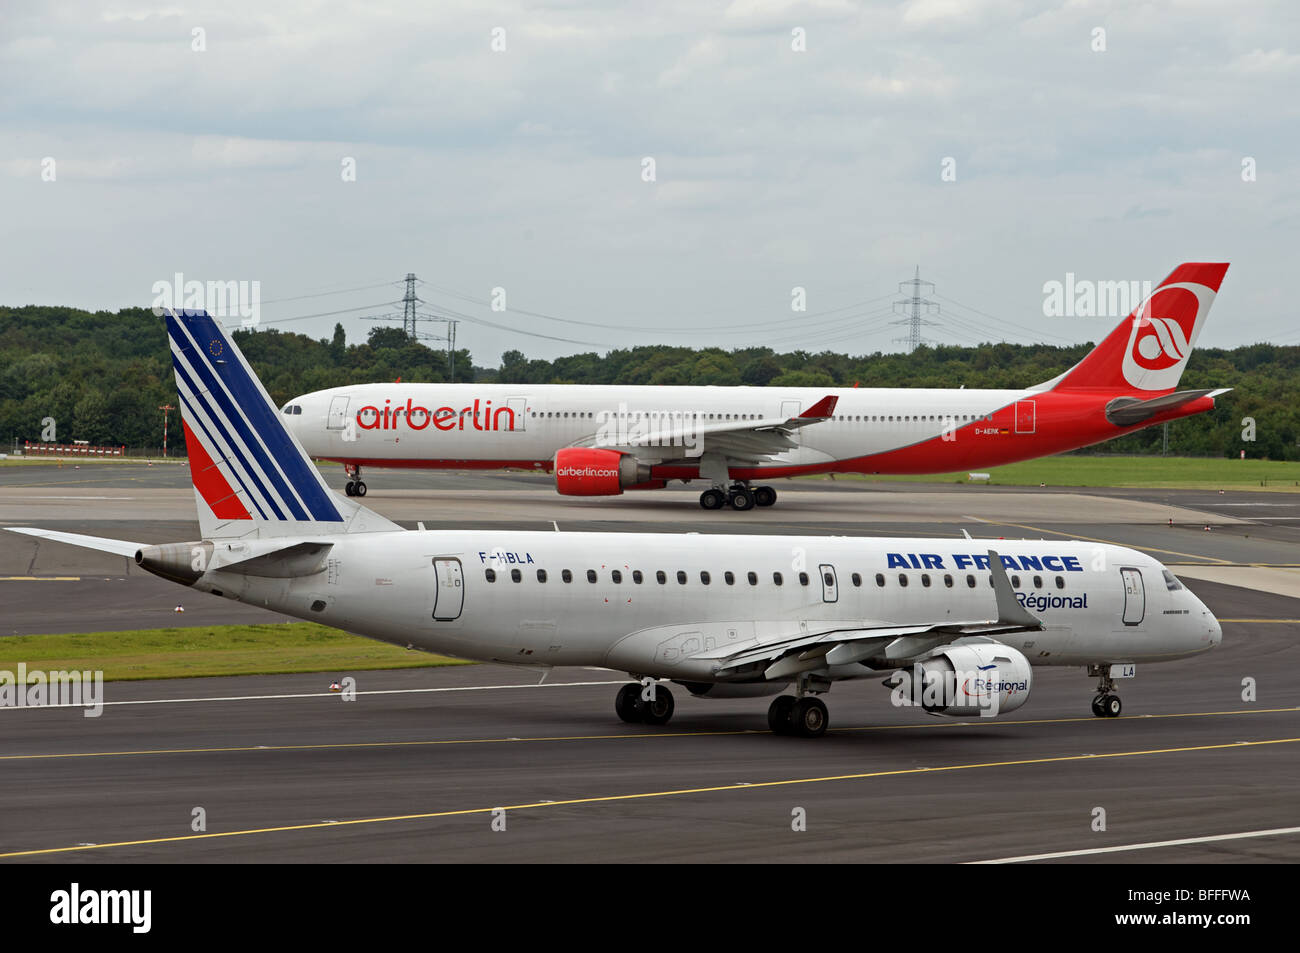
(102, 376)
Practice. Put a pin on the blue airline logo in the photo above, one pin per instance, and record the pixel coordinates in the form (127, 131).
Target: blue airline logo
(981, 561)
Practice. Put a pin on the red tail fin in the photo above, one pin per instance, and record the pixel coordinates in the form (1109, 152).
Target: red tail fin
(1150, 348)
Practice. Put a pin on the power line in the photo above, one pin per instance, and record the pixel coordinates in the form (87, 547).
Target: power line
(913, 305)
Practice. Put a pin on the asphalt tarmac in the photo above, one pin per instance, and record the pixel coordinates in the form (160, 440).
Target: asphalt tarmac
(416, 767)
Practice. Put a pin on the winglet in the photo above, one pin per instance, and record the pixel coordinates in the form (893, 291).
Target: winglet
(822, 409)
(1010, 611)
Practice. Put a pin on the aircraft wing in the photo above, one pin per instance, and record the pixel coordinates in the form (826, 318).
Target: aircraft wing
(785, 654)
(744, 441)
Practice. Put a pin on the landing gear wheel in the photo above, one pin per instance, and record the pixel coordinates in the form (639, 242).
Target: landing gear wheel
(778, 715)
(764, 496)
(628, 704)
(712, 499)
(660, 710)
(1096, 707)
(350, 489)
(1111, 706)
(359, 489)
(809, 717)
(741, 499)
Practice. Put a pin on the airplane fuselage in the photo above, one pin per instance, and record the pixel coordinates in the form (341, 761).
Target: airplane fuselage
(872, 430)
(653, 604)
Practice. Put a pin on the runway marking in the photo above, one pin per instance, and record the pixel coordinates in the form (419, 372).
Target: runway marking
(1108, 542)
(731, 732)
(610, 798)
(377, 691)
(40, 579)
(1290, 621)
(1275, 832)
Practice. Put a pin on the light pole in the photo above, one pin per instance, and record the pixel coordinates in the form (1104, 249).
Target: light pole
(165, 408)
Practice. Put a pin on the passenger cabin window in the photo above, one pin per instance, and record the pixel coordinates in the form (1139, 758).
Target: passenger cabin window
(753, 578)
(681, 577)
(925, 579)
(880, 579)
(776, 578)
(1015, 582)
(857, 580)
(803, 579)
(566, 575)
(490, 575)
(970, 581)
(541, 575)
(947, 580)
(616, 576)
(661, 576)
(729, 577)
(591, 575)
(704, 578)
(902, 579)
(1038, 582)
(1060, 582)
(636, 576)
(828, 579)
(516, 576)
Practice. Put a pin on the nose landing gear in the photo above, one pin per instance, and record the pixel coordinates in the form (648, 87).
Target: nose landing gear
(632, 705)
(356, 486)
(1107, 703)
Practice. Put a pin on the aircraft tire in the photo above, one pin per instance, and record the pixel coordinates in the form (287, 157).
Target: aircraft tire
(712, 499)
(778, 715)
(809, 717)
(659, 711)
(360, 489)
(1111, 706)
(741, 499)
(764, 496)
(628, 704)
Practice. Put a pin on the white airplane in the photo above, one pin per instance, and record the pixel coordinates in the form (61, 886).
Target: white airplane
(941, 621)
(600, 440)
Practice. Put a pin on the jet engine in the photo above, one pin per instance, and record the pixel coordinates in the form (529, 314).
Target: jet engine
(592, 471)
(985, 678)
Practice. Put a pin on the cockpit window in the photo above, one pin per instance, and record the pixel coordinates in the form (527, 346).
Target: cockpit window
(1171, 581)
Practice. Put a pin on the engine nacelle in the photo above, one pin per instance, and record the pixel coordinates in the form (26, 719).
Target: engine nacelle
(734, 689)
(592, 471)
(985, 678)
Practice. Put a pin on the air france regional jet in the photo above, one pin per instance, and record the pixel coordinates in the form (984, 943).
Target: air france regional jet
(600, 440)
(953, 627)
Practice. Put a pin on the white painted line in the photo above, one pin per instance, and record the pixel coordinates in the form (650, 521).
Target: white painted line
(386, 691)
(1275, 832)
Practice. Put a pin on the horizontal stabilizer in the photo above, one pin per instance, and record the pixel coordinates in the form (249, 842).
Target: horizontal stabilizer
(117, 547)
(1127, 411)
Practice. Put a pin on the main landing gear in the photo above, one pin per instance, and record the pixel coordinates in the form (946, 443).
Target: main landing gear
(1107, 703)
(356, 486)
(644, 703)
(804, 715)
(740, 496)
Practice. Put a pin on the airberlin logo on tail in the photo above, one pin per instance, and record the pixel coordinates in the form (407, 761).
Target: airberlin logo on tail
(1164, 329)
(412, 416)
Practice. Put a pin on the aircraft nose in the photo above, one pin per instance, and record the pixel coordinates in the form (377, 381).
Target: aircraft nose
(1216, 631)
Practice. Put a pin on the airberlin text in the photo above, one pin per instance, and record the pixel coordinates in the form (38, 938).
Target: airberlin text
(482, 417)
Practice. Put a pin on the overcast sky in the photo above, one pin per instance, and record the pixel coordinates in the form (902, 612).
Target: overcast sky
(775, 168)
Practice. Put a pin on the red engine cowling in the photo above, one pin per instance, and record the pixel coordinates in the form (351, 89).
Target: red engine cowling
(591, 471)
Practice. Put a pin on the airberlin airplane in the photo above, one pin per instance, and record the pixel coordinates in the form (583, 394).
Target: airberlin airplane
(952, 627)
(600, 440)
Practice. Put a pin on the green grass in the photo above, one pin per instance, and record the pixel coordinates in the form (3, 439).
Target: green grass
(271, 649)
(1174, 472)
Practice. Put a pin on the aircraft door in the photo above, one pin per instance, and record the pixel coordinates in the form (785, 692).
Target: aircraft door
(449, 589)
(1135, 600)
(1026, 416)
(338, 414)
(518, 407)
(830, 589)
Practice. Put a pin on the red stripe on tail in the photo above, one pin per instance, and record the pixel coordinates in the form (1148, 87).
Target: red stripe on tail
(212, 486)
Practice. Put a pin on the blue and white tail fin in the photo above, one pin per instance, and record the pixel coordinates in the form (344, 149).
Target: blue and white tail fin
(251, 476)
